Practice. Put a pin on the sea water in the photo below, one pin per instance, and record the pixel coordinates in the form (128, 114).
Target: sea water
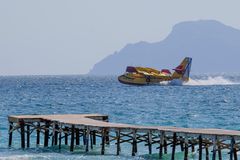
(206, 101)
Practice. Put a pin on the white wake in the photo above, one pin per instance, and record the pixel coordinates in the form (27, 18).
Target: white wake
(219, 80)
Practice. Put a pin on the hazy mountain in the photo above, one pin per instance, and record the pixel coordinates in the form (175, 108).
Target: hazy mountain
(213, 46)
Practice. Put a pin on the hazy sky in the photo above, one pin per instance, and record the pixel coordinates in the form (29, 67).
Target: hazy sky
(70, 36)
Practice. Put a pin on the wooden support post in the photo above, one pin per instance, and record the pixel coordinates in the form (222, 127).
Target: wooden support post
(22, 129)
(60, 138)
(72, 138)
(186, 148)
(107, 137)
(87, 139)
(161, 135)
(84, 137)
(46, 134)
(174, 145)
(91, 139)
(233, 150)
(28, 136)
(10, 132)
(193, 147)
(182, 144)
(134, 143)
(165, 146)
(66, 136)
(94, 137)
(136, 148)
(77, 136)
(207, 152)
(118, 141)
(235, 153)
(56, 134)
(103, 141)
(150, 142)
(219, 152)
(107, 140)
(106, 131)
(53, 133)
(214, 148)
(38, 133)
(200, 147)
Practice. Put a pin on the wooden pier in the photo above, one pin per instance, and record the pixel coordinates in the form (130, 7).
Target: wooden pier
(90, 127)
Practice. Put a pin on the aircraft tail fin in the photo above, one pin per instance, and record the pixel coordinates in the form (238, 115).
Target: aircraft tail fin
(183, 70)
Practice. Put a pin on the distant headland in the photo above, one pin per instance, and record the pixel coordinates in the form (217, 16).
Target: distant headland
(213, 46)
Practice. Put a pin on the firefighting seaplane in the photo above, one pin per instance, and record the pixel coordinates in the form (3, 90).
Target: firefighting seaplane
(144, 75)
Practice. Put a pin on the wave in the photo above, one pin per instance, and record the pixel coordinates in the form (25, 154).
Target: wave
(218, 80)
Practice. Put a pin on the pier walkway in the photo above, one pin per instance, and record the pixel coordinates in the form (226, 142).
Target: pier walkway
(71, 128)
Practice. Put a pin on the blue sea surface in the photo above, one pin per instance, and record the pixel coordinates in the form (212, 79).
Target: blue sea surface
(207, 101)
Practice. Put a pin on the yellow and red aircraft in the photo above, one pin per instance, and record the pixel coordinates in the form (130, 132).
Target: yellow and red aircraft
(142, 75)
